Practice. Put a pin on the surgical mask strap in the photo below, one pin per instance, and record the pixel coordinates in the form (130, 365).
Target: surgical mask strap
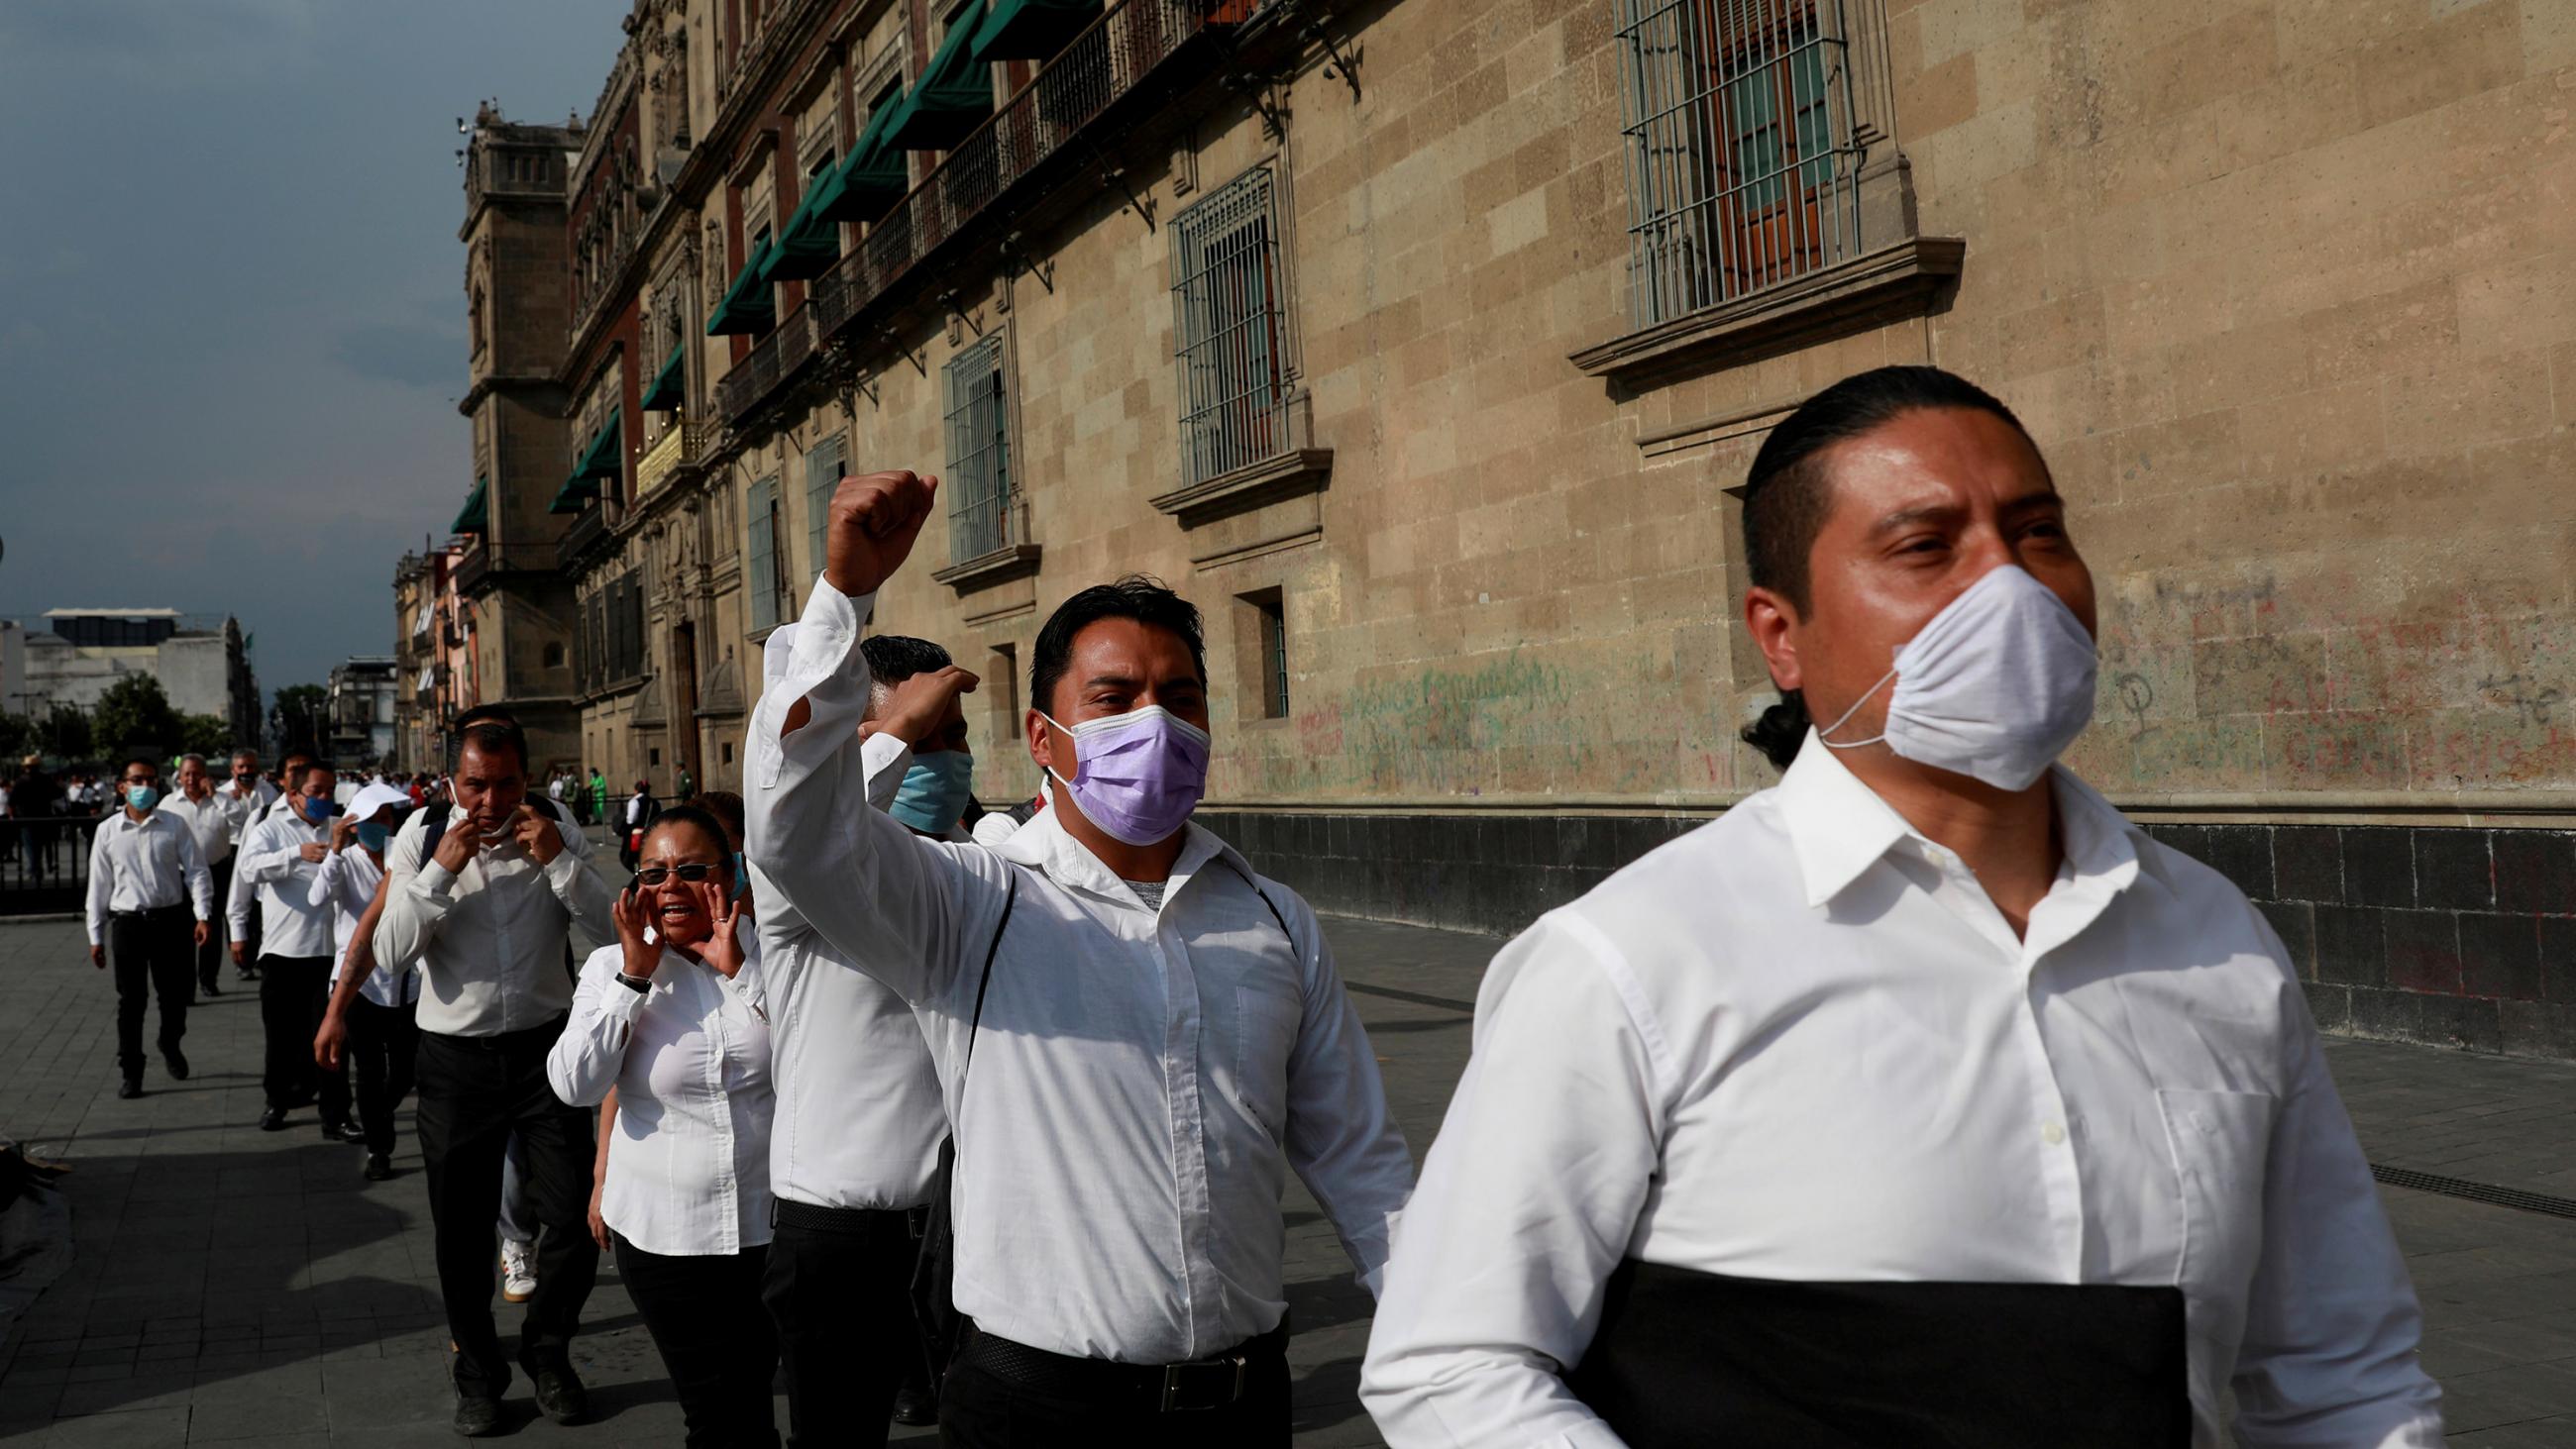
(1855, 709)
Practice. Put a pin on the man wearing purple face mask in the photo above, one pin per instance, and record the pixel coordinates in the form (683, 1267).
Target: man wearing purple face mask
(1168, 1035)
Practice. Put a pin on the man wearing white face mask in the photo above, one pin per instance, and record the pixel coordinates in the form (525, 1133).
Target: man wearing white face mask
(1168, 1038)
(1922, 1099)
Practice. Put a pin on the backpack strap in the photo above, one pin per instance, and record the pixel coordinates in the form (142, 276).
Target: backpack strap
(1265, 900)
(985, 984)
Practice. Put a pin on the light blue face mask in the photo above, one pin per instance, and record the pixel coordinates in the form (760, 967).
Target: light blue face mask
(935, 791)
(741, 877)
(373, 836)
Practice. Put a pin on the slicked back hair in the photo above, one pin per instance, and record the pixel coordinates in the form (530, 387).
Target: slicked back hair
(894, 658)
(1788, 492)
(489, 729)
(1140, 597)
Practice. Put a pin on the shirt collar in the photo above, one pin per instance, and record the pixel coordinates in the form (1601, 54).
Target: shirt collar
(1839, 827)
(1044, 844)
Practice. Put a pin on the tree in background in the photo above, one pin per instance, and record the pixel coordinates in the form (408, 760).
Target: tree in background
(298, 714)
(63, 734)
(134, 711)
(210, 735)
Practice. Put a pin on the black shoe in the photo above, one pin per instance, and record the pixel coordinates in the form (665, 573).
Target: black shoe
(915, 1406)
(130, 1087)
(379, 1167)
(353, 1132)
(177, 1064)
(210, 989)
(560, 1396)
(477, 1415)
(273, 1120)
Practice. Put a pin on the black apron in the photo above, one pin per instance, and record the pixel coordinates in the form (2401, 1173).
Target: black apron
(1684, 1358)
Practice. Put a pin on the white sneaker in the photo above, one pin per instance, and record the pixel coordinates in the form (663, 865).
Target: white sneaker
(518, 1271)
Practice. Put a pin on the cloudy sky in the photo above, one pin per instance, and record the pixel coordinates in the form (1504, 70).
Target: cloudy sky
(232, 311)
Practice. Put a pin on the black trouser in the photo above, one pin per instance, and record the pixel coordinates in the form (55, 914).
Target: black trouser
(148, 951)
(981, 1409)
(839, 1285)
(293, 991)
(705, 1316)
(210, 956)
(384, 1045)
(474, 1092)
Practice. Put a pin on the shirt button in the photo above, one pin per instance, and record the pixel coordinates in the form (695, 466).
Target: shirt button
(2053, 1133)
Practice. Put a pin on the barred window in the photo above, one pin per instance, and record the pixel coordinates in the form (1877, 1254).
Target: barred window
(825, 465)
(1226, 299)
(1742, 169)
(980, 499)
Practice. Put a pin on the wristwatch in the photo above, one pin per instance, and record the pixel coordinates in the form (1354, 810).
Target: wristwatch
(641, 985)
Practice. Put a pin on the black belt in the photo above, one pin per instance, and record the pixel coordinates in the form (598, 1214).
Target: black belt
(1862, 1365)
(814, 1217)
(498, 1041)
(1214, 1382)
(147, 912)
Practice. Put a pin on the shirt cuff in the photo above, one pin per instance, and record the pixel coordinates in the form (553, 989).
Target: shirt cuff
(563, 869)
(621, 1002)
(436, 878)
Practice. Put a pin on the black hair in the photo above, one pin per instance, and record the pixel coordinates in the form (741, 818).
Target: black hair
(133, 757)
(1140, 597)
(724, 805)
(1786, 497)
(894, 658)
(488, 728)
(705, 823)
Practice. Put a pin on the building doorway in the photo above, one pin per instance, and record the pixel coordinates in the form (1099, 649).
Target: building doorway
(684, 704)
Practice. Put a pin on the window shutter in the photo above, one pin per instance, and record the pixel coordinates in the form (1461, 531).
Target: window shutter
(824, 469)
(761, 565)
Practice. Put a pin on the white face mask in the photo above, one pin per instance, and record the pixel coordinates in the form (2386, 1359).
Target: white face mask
(1996, 686)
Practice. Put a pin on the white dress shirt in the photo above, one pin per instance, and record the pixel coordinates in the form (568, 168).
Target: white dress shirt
(144, 865)
(244, 892)
(1144, 1081)
(272, 860)
(1800, 1043)
(208, 821)
(859, 1115)
(490, 940)
(242, 811)
(688, 1166)
(346, 882)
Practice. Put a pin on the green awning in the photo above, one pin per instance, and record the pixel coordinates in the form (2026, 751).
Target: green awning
(873, 177)
(574, 495)
(475, 516)
(606, 455)
(955, 94)
(747, 305)
(670, 386)
(810, 242)
(1031, 29)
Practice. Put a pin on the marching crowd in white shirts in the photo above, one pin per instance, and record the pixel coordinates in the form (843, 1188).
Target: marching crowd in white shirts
(1919, 1100)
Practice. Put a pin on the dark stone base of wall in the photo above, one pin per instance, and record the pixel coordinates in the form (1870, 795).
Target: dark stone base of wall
(2451, 936)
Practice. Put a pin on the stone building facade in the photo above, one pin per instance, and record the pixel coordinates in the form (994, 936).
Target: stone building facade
(201, 661)
(1421, 345)
(513, 608)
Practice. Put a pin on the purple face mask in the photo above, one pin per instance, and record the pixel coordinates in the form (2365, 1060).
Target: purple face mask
(1136, 775)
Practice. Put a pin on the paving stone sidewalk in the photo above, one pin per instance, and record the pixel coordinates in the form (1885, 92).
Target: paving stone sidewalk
(244, 1287)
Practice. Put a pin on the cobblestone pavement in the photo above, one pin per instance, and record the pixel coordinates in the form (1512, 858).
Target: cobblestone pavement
(231, 1285)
